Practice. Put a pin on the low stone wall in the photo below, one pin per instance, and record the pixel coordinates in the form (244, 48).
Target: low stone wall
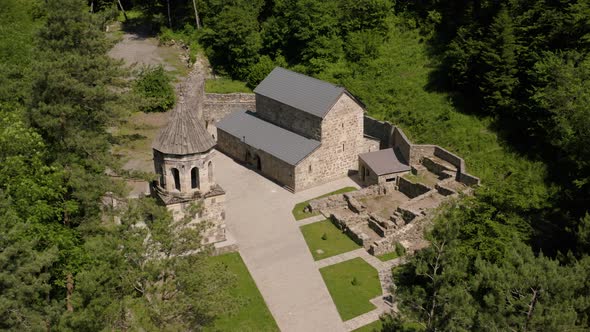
(444, 190)
(358, 237)
(217, 105)
(411, 189)
(434, 167)
(420, 151)
(468, 179)
(449, 157)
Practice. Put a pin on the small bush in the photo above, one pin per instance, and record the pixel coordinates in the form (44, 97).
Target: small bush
(400, 250)
(324, 236)
(154, 86)
(354, 281)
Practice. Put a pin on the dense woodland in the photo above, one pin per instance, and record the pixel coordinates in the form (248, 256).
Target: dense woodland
(505, 84)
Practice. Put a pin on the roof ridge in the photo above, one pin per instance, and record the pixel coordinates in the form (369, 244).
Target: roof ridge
(313, 78)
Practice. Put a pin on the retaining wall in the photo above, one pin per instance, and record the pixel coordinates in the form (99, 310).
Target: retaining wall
(411, 189)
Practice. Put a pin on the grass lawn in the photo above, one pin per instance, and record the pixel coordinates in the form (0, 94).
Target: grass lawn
(335, 243)
(252, 315)
(225, 85)
(299, 207)
(375, 326)
(352, 300)
(387, 257)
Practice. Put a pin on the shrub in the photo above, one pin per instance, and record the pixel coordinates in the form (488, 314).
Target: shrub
(400, 250)
(324, 236)
(154, 86)
(354, 281)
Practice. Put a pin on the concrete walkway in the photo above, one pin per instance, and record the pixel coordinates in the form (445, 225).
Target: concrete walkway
(258, 214)
(310, 220)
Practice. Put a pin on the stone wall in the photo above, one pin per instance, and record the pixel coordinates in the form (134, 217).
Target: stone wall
(212, 212)
(402, 144)
(342, 141)
(164, 164)
(468, 179)
(217, 105)
(370, 144)
(270, 166)
(392, 136)
(411, 189)
(288, 117)
(449, 157)
(420, 151)
(381, 130)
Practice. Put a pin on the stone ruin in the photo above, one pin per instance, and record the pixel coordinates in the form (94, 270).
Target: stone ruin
(379, 216)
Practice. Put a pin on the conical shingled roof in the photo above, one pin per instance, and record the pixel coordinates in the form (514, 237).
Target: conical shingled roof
(184, 134)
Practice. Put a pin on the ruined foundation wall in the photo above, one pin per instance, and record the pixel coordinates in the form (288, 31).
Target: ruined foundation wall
(411, 189)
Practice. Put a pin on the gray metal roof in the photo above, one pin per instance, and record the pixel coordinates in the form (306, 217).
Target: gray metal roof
(385, 161)
(184, 134)
(281, 143)
(299, 91)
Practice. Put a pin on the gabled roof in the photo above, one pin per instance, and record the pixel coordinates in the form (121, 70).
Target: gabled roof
(302, 92)
(184, 134)
(274, 140)
(387, 161)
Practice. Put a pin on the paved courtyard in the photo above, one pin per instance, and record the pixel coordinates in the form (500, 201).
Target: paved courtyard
(258, 214)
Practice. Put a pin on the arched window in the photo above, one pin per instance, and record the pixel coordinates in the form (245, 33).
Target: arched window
(309, 168)
(194, 178)
(210, 172)
(163, 177)
(176, 176)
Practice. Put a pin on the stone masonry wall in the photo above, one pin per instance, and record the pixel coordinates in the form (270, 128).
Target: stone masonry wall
(217, 105)
(290, 118)
(381, 130)
(411, 189)
(420, 151)
(342, 141)
(163, 164)
(402, 143)
(271, 166)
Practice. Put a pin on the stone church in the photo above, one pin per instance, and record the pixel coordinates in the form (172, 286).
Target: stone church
(303, 133)
(183, 160)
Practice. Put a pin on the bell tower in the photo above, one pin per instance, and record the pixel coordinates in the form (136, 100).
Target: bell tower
(183, 160)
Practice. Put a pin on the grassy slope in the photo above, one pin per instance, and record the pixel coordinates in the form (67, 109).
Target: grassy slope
(395, 87)
(352, 300)
(335, 243)
(252, 314)
(225, 85)
(298, 212)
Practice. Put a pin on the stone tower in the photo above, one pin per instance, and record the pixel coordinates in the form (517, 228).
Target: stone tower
(183, 160)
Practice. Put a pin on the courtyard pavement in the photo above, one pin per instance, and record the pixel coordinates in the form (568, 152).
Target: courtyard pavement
(258, 214)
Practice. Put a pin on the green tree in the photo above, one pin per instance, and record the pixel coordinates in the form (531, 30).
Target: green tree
(499, 79)
(232, 37)
(154, 86)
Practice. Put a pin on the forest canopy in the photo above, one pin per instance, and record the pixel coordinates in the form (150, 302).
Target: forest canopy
(505, 84)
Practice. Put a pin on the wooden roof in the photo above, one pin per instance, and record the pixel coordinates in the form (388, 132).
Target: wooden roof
(184, 134)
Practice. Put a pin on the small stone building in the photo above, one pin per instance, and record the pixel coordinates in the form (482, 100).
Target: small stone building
(183, 160)
(381, 166)
(304, 132)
